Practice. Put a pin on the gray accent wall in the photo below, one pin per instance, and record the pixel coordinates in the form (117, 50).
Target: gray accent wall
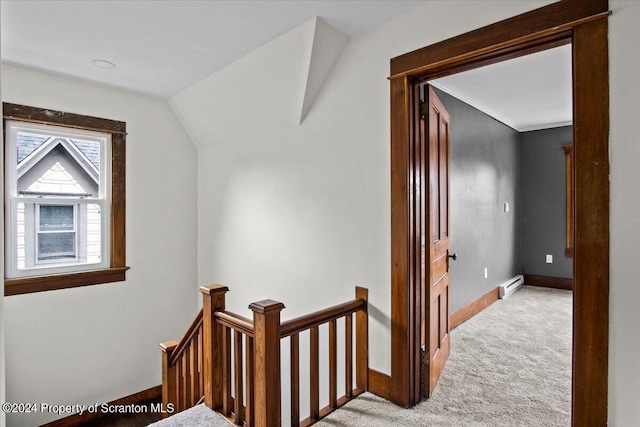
(543, 190)
(484, 175)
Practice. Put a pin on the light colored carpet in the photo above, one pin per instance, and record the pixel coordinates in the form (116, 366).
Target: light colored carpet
(509, 366)
(199, 415)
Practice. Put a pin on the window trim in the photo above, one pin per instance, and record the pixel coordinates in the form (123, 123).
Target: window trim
(116, 271)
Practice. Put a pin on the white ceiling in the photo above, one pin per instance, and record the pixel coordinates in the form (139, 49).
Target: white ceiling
(163, 47)
(527, 93)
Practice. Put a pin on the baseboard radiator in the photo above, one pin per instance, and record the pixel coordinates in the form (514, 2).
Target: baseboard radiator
(511, 285)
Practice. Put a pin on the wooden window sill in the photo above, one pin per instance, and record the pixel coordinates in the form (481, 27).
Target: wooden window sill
(27, 285)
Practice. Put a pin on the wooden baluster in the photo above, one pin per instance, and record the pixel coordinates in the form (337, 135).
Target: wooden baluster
(266, 323)
(249, 418)
(201, 361)
(213, 300)
(182, 405)
(362, 342)
(169, 378)
(237, 363)
(333, 365)
(194, 372)
(348, 351)
(226, 372)
(314, 375)
(187, 377)
(294, 342)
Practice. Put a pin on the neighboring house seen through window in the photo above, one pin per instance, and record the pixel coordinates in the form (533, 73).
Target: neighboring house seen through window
(60, 230)
(56, 238)
(57, 199)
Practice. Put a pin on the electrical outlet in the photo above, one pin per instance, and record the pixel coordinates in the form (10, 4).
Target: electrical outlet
(549, 259)
(486, 272)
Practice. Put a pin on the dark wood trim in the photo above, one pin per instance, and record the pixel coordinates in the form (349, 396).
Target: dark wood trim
(570, 211)
(553, 19)
(528, 47)
(152, 394)
(474, 307)
(118, 200)
(548, 282)
(402, 294)
(591, 244)
(27, 285)
(379, 383)
(118, 268)
(45, 116)
(584, 23)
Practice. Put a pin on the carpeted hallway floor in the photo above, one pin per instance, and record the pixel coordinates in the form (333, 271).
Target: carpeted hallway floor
(509, 366)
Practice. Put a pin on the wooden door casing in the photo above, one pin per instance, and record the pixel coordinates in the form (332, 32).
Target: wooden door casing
(584, 24)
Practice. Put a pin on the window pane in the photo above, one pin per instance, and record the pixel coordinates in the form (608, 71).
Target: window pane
(58, 201)
(92, 242)
(21, 237)
(57, 165)
(91, 150)
(28, 143)
(56, 218)
(56, 246)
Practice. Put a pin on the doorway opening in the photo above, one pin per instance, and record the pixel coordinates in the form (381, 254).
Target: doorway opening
(584, 25)
(507, 124)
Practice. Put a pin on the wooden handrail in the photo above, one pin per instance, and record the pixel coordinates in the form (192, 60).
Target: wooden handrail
(292, 326)
(223, 355)
(186, 340)
(235, 321)
(319, 317)
(182, 376)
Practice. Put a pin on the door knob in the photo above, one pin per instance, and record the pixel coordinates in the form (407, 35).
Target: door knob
(453, 256)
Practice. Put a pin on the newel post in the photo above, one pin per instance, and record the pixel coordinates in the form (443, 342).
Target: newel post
(169, 378)
(362, 341)
(212, 301)
(266, 326)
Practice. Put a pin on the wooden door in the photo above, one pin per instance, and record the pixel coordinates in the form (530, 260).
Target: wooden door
(434, 127)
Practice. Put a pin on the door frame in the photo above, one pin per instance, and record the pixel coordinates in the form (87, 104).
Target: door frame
(583, 23)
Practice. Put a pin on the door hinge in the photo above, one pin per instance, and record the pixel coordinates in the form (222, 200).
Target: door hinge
(424, 109)
(425, 357)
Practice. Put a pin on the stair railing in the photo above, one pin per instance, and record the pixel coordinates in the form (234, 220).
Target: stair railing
(241, 377)
(182, 369)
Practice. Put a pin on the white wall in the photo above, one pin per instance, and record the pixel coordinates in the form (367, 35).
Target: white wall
(100, 343)
(300, 214)
(2, 346)
(624, 340)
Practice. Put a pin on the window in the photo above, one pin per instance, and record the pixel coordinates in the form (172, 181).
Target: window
(56, 238)
(64, 200)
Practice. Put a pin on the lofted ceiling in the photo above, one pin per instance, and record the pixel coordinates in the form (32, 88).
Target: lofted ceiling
(161, 48)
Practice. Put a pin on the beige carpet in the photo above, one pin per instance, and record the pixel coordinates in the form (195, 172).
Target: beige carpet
(199, 415)
(509, 366)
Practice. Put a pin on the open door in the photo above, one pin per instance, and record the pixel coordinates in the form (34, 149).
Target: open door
(434, 134)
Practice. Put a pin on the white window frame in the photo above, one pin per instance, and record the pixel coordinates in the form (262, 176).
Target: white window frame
(12, 198)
